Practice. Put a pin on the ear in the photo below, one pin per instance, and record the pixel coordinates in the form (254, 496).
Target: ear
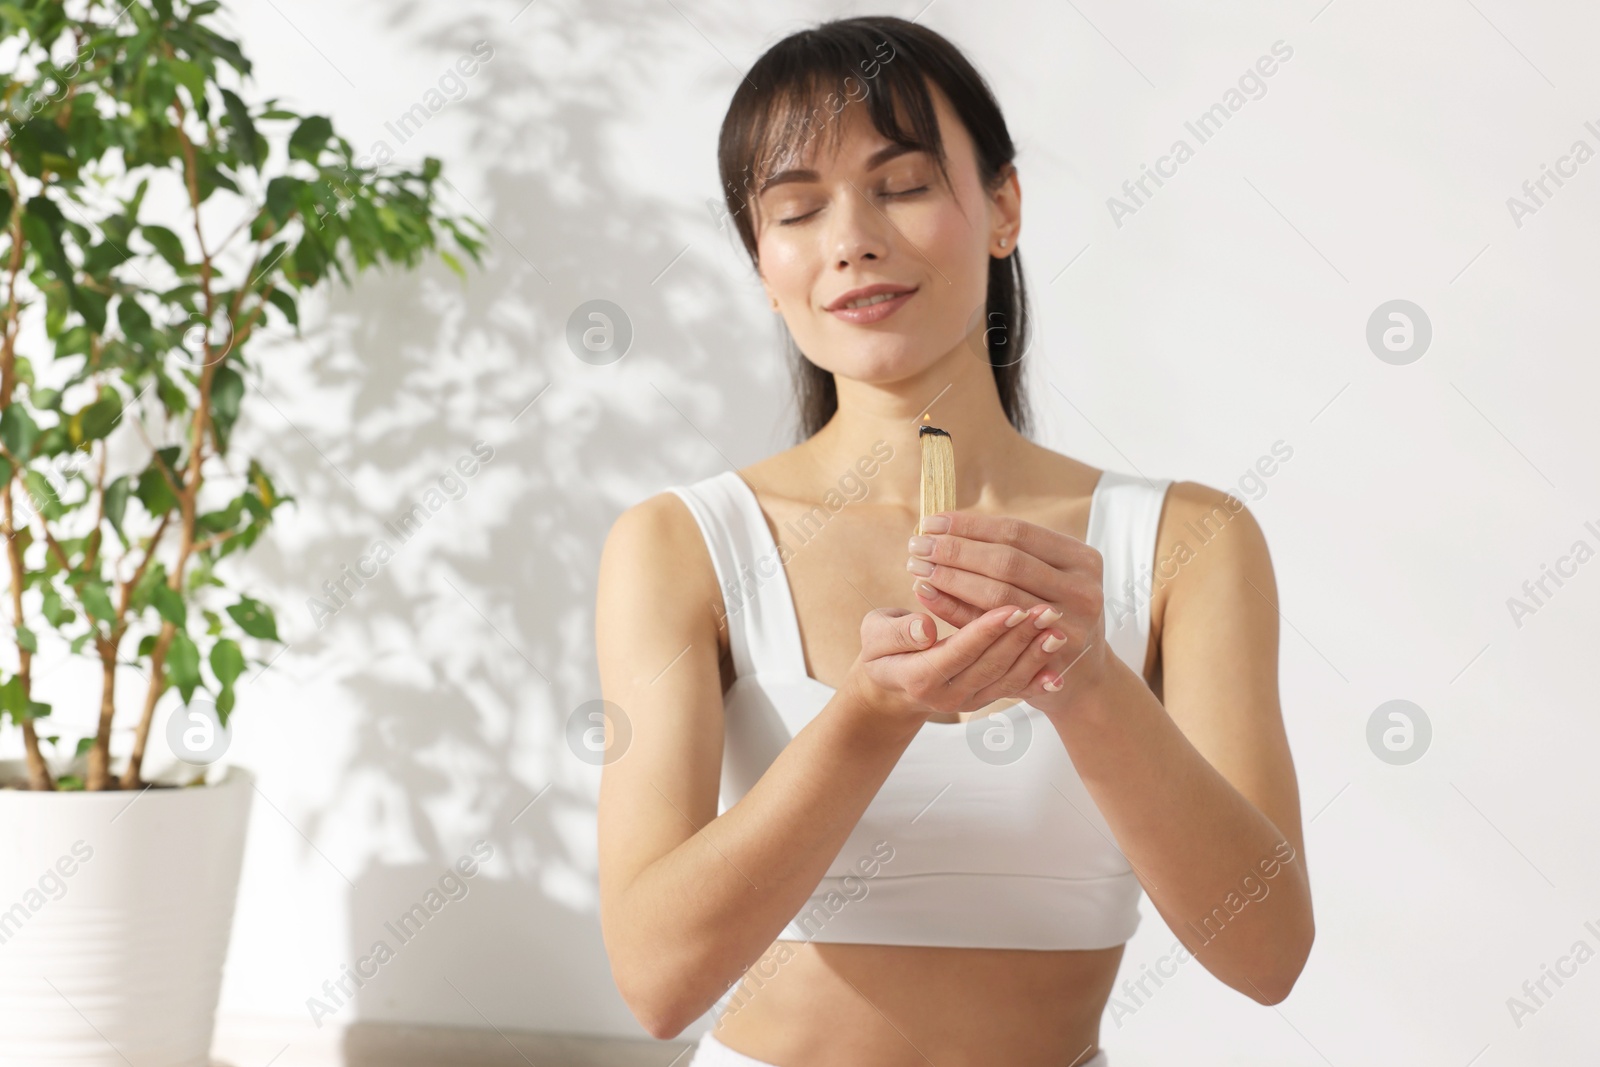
(1006, 213)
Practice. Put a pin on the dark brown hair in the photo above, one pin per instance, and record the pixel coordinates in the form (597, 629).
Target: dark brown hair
(779, 107)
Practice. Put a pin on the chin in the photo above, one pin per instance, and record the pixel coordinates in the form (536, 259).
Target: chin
(856, 352)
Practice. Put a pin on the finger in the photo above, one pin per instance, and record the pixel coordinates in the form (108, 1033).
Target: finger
(954, 654)
(1052, 546)
(887, 631)
(1016, 568)
(999, 660)
(952, 610)
(1026, 677)
(1073, 592)
(978, 591)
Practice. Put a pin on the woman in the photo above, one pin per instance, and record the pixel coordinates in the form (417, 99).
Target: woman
(812, 797)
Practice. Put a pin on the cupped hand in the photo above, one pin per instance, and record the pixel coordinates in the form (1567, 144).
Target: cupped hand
(981, 562)
(902, 668)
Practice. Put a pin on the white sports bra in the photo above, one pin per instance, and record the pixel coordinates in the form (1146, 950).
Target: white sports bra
(983, 835)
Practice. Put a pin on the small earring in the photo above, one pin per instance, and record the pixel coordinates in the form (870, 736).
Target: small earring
(1002, 242)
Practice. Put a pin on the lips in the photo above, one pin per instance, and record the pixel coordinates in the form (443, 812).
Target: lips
(894, 297)
(840, 303)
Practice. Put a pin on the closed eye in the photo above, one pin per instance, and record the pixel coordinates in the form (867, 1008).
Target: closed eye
(807, 215)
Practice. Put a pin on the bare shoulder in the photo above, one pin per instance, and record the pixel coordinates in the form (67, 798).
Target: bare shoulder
(1207, 539)
(655, 564)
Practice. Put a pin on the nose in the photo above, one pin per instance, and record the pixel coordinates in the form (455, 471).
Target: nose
(858, 229)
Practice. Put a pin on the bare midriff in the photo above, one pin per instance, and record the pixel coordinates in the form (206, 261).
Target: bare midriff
(815, 1004)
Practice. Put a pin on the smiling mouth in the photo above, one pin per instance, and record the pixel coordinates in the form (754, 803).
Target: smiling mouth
(872, 309)
(868, 301)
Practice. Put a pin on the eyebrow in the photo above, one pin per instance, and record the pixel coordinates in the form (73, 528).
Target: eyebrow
(874, 161)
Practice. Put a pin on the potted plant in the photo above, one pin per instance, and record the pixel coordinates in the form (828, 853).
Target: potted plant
(123, 375)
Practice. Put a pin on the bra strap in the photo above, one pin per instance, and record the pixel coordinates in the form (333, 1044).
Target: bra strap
(1124, 518)
(749, 572)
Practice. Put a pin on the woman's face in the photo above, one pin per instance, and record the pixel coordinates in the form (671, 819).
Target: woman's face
(872, 214)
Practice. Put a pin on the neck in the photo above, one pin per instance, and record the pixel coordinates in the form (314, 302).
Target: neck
(956, 394)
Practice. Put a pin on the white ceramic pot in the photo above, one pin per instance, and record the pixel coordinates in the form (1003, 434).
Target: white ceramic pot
(115, 911)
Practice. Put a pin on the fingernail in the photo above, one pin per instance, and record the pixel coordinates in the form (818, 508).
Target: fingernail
(1053, 642)
(1016, 617)
(1046, 617)
(936, 524)
(919, 630)
(1055, 686)
(920, 546)
(919, 566)
(926, 591)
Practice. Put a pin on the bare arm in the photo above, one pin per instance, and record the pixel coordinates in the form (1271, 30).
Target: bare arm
(1201, 793)
(689, 899)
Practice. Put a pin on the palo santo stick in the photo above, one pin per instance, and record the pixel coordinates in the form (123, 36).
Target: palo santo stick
(939, 494)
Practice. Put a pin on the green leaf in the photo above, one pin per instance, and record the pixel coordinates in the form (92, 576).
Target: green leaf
(223, 518)
(169, 605)
(55, 612)
(47, 399)
(172, 397)
(183, 665)
(227, 390)
(308, 262)
(43, 495)
(227, 663)
(26, 639)
(40, 144)
(254, 618)
(285, 303)
(11, 697)
(116, 504)
(52, 442)
(244, 139)
(96, 601)
(283, 193)
(14, 702)
(309, 138)
(154, 491)
(190, 77)
(168, 246)
(89, 303)
(98, 419)
(18, 431)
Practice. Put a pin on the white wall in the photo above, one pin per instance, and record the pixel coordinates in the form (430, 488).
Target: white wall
(1228, 313)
